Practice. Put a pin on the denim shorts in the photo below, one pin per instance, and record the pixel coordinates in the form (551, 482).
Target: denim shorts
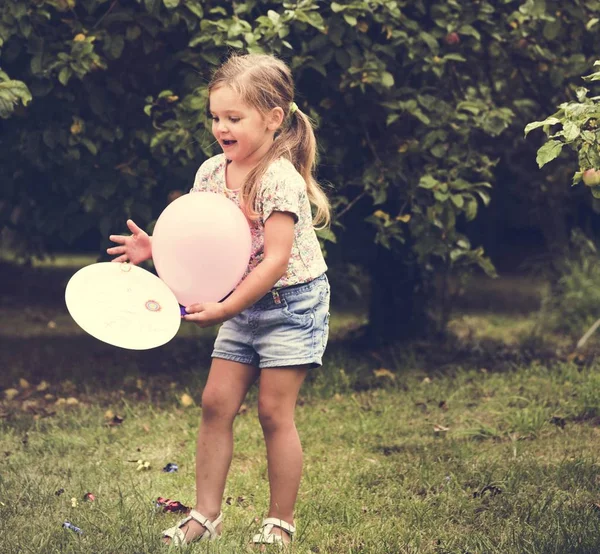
(286, 327)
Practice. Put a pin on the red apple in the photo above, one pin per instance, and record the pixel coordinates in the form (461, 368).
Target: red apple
(452, 38)
(591, 177)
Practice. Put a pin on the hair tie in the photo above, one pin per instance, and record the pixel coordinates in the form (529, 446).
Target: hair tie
(293, 108)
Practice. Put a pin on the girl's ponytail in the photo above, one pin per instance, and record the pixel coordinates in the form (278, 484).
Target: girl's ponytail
(304, 157)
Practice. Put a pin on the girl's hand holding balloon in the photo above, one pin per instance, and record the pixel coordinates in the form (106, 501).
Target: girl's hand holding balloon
(206, 314)
(135, 248)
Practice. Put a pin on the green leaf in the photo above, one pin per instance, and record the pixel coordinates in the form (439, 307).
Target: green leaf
(470, 208)
(11, 92)
(458, 200)
(571, 131)
(581, 93)
(64, 75)
(89, 145)
(117, 44)
(536, 124)
(430, 41)
(350, 19)
(387, 79)
(326, 234)
(428, 182)
(455, 57)
(196, 8)
(534, 8)
(485, 197)
(335, 7)
(171, 4)
(548, 152)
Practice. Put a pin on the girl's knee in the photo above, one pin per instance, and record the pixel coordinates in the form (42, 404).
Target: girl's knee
(273, 415)
(216, 405)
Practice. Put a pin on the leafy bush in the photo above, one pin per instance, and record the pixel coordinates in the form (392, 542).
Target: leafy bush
(573, 303)
(580, 130)
(416, 103)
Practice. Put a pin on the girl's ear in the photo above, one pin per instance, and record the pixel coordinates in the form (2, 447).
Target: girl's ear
(275, 119)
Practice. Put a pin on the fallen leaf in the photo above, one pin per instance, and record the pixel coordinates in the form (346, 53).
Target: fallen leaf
(23, 383)
(42, 386)
(439, 428)
(186, 400)
(74, 502)
(72, 401)
(143, 465)
(29, 406)
(9, 394)
(384, 373)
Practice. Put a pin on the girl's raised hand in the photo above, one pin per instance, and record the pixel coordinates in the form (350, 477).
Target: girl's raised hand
(134, 248)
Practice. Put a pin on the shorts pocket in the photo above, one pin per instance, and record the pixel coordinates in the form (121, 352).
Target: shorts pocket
(300, 309)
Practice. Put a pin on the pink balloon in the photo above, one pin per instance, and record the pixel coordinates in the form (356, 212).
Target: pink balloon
(201, 247)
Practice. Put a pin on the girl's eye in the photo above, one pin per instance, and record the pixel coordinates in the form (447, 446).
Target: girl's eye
(234, 119)
(214, 118)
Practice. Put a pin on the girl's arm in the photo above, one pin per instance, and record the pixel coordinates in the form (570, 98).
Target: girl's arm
(279, 238)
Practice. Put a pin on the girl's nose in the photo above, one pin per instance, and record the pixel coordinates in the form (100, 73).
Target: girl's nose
(221, 127)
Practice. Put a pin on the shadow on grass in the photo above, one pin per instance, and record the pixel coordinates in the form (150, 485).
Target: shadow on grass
(84, 360)
(33, 297)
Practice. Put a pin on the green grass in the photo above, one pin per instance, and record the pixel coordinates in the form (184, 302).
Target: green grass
(468, 463)
(400, 455)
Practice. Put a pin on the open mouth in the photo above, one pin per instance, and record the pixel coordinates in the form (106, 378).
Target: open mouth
(229, 142)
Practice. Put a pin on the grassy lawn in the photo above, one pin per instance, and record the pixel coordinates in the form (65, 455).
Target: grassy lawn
(403, 454)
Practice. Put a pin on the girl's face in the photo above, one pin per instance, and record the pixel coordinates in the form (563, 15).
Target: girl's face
(243, 133)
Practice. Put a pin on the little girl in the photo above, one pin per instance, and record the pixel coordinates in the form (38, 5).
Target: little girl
(276, 320)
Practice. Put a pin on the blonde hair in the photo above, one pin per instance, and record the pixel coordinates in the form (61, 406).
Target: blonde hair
(265, 82)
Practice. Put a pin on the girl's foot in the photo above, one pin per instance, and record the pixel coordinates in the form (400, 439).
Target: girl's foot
(195, 527)
(274, 531)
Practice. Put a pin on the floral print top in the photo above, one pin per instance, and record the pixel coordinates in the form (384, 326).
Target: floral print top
(282, 189)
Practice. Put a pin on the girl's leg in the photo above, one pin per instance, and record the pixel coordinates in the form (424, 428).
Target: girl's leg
(278, 393)
(227, 385)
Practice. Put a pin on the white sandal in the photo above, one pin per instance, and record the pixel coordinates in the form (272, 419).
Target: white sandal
(267, 537)
(177, 535)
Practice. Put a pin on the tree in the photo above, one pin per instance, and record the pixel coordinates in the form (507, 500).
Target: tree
(416, 103)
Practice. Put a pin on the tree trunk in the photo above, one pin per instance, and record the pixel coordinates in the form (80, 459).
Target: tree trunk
(397, 305)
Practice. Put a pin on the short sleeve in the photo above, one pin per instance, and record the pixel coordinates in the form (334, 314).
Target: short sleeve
(204, 180)
(282, 192)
